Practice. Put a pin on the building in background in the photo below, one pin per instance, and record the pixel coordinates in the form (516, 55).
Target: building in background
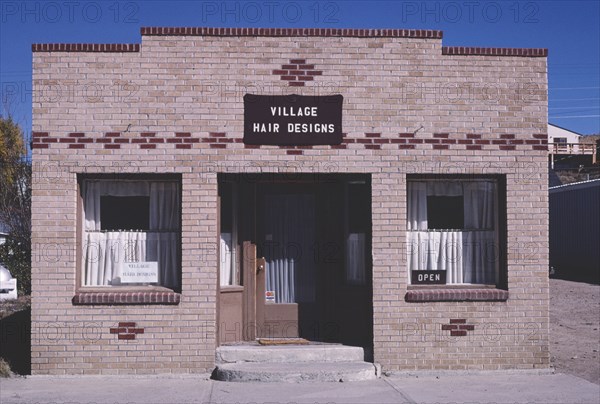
(569, 149)
(575, 231)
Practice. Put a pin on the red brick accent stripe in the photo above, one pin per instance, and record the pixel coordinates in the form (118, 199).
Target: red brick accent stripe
(85, 47)
(281, 32)
(474, 51)
(129, 298)
(455, 295)
(368, 140)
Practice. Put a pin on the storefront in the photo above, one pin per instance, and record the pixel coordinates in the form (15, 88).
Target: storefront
(209, 186)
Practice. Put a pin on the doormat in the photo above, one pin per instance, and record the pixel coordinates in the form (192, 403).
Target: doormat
(282, 341)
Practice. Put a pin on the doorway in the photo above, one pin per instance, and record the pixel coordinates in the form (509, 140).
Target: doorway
(299, 247)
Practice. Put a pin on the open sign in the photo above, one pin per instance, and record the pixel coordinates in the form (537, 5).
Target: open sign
(428, 277)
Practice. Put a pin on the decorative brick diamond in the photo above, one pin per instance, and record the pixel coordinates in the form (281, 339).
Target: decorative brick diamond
(458, 327)
(126, 331)
(297, 72)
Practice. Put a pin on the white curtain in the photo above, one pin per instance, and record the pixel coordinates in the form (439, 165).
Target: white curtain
(355, 258)
(105, 251)
(289, 253)
(226, 252)
(480, 245)
(281, 278)
(468, 255)
(480, 256)
(228, 242)
(480, 204)
(437, 250)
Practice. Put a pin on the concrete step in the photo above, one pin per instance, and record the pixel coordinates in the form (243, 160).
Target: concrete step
(296, 372)
(288, 353)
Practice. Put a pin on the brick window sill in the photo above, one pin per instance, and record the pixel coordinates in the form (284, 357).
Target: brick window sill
(126, 298)
(456, 295)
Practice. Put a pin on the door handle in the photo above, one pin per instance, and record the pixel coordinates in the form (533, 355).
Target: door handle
(261, 265)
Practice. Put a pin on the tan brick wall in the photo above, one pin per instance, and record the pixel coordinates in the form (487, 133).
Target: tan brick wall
(195, 84)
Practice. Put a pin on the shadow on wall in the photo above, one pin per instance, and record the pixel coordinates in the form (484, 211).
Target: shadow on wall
(15, 341)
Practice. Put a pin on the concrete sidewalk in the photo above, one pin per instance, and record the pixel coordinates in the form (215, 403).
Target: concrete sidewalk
(488, 387)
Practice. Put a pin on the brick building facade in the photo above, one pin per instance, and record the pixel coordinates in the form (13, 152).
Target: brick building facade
(458, 124)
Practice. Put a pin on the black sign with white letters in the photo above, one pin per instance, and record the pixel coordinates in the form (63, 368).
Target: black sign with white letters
(428, 277)
(293, 119)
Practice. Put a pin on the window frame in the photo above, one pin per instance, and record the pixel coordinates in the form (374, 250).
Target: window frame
(463, 289)
(116, 293)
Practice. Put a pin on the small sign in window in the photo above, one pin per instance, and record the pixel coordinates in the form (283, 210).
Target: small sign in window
(139, 272)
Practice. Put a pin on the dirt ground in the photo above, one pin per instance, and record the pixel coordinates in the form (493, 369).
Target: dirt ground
(8, 307)
(575, 329)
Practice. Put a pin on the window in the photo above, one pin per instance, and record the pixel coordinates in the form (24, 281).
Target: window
(131, 231)
(453, 227)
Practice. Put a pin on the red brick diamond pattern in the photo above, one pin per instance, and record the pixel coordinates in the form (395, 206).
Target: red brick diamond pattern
(127, 331)
(458, 327)
(297, 72)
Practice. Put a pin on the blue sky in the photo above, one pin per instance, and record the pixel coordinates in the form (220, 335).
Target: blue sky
(569, 29)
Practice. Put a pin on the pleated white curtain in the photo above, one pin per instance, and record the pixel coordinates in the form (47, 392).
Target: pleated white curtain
(281, 278)
(105, 251)
(480, 244)
(290, 268)
(226, 253)
(437, 250)
(468, 255)
(227, 246)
